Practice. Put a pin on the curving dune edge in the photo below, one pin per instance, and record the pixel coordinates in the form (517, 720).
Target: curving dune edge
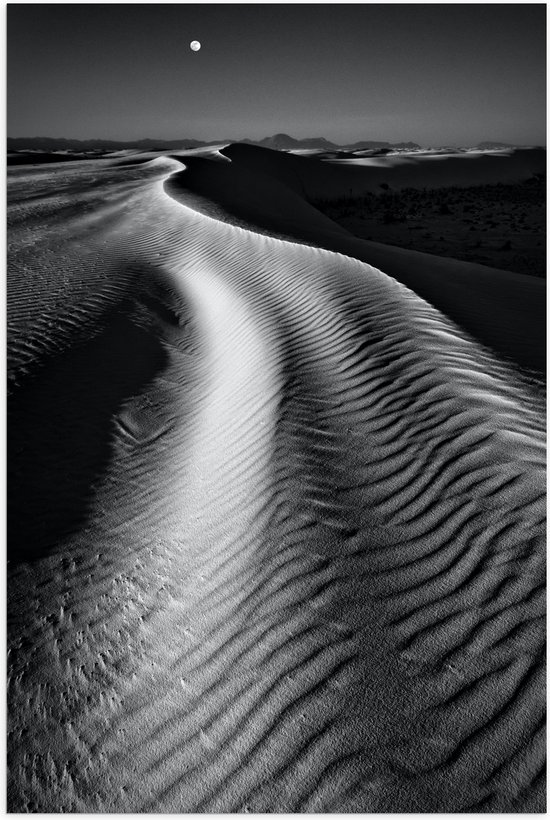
(275, 520)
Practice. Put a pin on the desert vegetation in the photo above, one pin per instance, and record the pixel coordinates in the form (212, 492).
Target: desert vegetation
(502, 226)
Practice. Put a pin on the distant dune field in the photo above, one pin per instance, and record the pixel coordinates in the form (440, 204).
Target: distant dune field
(276, 499)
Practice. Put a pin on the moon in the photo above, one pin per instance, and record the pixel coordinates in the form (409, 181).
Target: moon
(194, 45)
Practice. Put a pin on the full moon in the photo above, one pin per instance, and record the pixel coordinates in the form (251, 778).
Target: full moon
(195, 45)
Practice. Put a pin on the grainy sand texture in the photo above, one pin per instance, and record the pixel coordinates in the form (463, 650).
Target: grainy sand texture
(276, 500)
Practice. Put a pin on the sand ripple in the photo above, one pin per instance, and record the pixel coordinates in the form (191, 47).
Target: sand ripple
(277, 524)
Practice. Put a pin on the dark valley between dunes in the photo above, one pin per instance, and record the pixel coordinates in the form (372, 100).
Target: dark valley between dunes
(276, 481)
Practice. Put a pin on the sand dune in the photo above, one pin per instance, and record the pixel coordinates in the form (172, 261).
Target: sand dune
(502, 310)
(276, 519)
(317, 178)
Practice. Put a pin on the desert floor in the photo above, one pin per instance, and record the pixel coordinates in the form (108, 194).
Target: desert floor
(276, 499)
(503, 226)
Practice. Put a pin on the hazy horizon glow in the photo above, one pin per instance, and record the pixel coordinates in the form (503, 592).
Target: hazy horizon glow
(433, 74)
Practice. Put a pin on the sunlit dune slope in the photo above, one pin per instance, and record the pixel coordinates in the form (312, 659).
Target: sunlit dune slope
(275, 522)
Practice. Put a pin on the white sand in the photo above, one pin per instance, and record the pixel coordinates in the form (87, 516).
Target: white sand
(276, 522)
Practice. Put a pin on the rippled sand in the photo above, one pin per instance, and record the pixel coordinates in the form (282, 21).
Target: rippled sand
(275, 501)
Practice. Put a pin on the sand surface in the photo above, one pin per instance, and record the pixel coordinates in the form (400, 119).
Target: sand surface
(275, 499)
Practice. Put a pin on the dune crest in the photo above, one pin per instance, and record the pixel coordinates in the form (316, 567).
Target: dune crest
(270, 192)
(307, 573)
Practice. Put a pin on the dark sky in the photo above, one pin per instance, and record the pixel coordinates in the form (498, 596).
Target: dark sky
(435, 74)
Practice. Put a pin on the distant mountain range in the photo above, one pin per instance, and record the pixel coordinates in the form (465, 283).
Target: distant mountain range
(282, 142)
(24, 150)
(278, 142)
(62, 144)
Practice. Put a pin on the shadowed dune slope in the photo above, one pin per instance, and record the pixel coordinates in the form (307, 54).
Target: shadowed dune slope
(502, 310)
(307, 571)
(317, 178)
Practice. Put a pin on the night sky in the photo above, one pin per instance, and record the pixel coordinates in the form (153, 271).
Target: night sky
(436, 74)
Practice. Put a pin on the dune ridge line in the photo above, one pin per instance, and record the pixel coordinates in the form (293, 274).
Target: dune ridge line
(307, 570)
